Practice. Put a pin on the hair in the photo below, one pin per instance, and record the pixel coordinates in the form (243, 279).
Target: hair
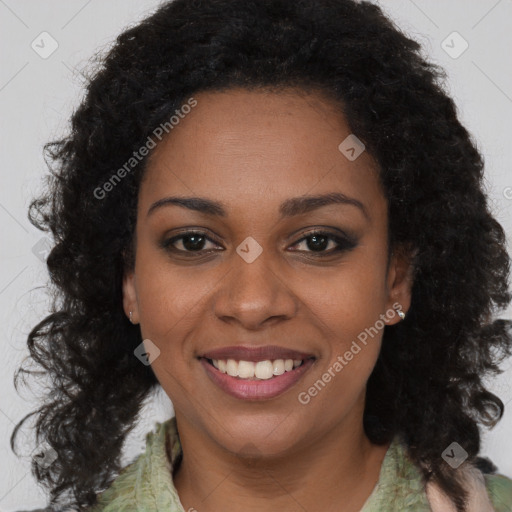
(428, 382)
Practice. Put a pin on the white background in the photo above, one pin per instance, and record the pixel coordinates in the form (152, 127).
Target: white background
(36, 99)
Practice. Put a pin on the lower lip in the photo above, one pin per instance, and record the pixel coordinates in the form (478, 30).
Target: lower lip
(256, 389)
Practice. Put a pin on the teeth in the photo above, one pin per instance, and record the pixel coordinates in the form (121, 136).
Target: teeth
(246, 369)
(264, 370)
(232, 368)
(260, 370)
(278, 367)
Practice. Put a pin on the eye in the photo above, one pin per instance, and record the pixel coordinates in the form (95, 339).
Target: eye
(189, 242)
(324, 243)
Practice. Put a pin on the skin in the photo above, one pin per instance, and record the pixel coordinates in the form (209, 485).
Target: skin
(252, 150)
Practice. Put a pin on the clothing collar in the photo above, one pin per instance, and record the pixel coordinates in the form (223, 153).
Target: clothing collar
(148, 481)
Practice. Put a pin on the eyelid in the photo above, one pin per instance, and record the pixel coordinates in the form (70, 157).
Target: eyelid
(167, 242)
(332, 232)
(344, 241)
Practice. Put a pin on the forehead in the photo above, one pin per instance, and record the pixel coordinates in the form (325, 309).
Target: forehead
(242, 146)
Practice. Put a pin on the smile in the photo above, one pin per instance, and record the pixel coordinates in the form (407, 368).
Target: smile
(260, 370)
(255, 373)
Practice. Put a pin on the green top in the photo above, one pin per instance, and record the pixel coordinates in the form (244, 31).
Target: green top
(146, 484)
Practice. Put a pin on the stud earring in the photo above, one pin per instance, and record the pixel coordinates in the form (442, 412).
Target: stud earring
(131, 317)
(401, 314)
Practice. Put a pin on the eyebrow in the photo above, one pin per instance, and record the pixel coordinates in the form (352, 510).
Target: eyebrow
(289, 208)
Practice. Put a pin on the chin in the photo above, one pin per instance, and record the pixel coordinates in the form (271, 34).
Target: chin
(260, 436)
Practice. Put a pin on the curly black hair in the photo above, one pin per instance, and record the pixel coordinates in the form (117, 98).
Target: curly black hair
(428, 383)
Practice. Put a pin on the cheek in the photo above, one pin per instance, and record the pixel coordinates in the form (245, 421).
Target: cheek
(169, 308)
(352, 332)
(167, 314)
(350, 299)
(169, 298)
(348, 308)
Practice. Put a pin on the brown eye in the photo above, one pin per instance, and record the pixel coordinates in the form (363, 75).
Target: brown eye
(193, 242)
(188, 242)
(319, 241)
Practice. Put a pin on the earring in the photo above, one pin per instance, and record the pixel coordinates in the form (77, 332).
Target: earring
(131, 317)
(401, 314)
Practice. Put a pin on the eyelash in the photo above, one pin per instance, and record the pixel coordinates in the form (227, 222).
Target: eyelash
(344, 243)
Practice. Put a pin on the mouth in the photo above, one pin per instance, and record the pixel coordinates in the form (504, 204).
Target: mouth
(255, 373)
(255, 370)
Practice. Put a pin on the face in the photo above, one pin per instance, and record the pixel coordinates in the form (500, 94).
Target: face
(282, 256)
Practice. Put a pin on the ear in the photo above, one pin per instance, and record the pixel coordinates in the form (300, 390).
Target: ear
(399, 281)
(130, 297)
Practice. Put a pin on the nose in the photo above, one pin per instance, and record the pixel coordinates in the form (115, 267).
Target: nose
(254, 295)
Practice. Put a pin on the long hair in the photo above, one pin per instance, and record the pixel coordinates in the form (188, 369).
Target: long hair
(427, 384)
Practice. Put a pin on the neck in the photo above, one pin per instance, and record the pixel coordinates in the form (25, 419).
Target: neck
(338, 469)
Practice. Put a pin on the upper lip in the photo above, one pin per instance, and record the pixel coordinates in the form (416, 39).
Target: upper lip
(268, 352)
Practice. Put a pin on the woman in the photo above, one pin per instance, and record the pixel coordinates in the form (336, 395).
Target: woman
(270, 209)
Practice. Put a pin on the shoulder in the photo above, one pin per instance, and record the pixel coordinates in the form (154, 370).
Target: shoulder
(487, 490)
(146, 482)
(120, 494)
(499, 489)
